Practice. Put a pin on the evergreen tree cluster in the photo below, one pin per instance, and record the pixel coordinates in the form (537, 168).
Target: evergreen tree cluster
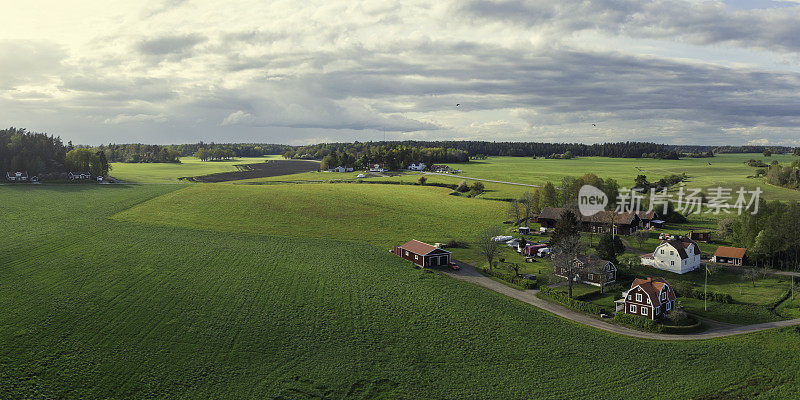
(36, 153)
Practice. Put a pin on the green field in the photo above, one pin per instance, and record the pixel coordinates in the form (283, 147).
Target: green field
(170, 172)
(288, 291)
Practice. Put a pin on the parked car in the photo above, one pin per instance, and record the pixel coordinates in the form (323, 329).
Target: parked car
(503, 238)
(361, 176)
(530, 277)
(545, 251)
(542, 229)
(454, 266)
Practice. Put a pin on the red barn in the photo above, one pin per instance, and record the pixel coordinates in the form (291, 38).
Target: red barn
(423, 254)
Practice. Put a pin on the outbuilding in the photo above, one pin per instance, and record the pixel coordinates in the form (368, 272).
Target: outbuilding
(729, 255)
(423, 254)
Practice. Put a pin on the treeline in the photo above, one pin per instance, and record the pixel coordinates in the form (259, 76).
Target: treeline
(36, 153)
(787, 176)
(139, 153)
(394, 155)
(152, 153)
(688, 149)
(768, 236)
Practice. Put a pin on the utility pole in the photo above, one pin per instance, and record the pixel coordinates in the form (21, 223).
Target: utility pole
(705, 292)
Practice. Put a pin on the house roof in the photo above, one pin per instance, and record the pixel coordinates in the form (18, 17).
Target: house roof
(646, 215)
(681, 244)
(653, 287)
(730, 252)
(592, 261)
(417, 247)
(626, 218)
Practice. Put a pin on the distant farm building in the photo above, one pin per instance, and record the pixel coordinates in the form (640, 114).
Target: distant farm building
(79, 176)
(376, 167)
(417, 166)
(649, 219)
(17, 176)
(341, 168)
(729, 255)
(651, 298)
(679, 255)
(700, 236)
(623, 223)
(591, 269)
(440, 168)
(423, 254)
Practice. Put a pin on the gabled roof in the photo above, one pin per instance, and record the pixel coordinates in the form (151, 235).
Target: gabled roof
(592, 261)
(653, 287)
(417, 247)
(646, 215)
(626, 218)
(681, 244)
(730, 252)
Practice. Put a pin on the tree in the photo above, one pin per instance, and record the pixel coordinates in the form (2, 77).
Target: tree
(549, 196)
(641, 182)
(565, 250)
(753, 274)
(422, 179)
(530, 204)
(462, 187)
(99, 166)
(640, 237)
(630, 260)
(515, 211)
(725, 227)
(477, 188)
(767, 153)
(566, 227)
(514, 267)
(487, 246)
(79, 160)
(609, 247)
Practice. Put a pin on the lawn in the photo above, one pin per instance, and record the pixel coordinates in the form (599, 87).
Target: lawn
(742, 314)
(99, 307)
(170, 172)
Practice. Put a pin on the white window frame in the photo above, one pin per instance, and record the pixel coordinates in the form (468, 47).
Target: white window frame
(638, 297)
(632, 308)
(644, 310)
(669, 306)
(406, 252)
(662, 251)
(672, 262)
(672, 253)
(416, 257)
(591, 276)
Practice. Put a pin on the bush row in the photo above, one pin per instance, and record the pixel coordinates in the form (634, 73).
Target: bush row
(638, 322)
(687, 290)
(681, 329)
(562, 298)
(510, 277)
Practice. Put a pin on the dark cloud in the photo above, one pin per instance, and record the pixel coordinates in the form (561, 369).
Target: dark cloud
(170, 45)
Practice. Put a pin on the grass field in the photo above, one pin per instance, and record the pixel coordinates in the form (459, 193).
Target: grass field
(170, 172)
(129, 310)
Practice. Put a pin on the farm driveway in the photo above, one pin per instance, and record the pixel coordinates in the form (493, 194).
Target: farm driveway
(469, 274)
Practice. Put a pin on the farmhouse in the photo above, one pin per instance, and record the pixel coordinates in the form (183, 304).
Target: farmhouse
(440, 168)
(376, 167)
(423, 254)
(679, 255)
(417, 166)
(649, 219)
(341, 168)
(623, 223)
(591, 269)
(729, 255)
(650, 298)
(79, 175)
(17, 176)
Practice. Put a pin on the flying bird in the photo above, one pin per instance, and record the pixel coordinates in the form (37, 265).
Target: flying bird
(594, 124)
(458, 105)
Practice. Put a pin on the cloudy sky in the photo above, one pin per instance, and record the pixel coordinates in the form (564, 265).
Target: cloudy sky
(177, 71)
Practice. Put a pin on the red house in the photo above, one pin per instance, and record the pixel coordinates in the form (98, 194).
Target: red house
(729, 255)
(650, 298)
(423, 254)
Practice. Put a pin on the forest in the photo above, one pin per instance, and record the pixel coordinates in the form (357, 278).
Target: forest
(36, 153)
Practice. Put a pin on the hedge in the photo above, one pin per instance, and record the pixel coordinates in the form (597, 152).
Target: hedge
(638, 322)
(696, 293)
(510, 277)
(562, 298)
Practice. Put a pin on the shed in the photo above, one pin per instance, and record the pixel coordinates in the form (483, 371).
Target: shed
(423, 254)
(729, 255)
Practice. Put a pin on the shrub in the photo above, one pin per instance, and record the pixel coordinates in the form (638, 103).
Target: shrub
(677, 316)
(562, 298)
(686, 289)
(455, 244)
(422, 179)
(462, 187)
(638, 322)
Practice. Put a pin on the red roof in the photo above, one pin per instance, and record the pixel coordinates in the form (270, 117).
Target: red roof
(417, 247)
(653, 287)
(730, 252)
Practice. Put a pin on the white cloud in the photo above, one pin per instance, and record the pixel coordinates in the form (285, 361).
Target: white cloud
(287, 71)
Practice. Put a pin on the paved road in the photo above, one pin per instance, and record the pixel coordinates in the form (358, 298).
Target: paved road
(484, 180)
(469, 274)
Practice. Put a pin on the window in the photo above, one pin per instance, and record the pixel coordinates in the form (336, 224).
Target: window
(633, 308)
(416, 257)
(663, 295)
(672, 253)
(406, 252)
(669, 306)
(644, 310)
(638, 297)
(629, 297)
(591, 277)
(672, 263)
(662, 251)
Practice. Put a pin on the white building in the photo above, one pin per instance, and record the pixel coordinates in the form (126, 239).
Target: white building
(679, 255)
(341, 168)
(417, 166)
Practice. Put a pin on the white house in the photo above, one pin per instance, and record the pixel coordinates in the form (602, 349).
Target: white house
(417, 166)
(341, 168)
(679, 255)
(376, 167)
